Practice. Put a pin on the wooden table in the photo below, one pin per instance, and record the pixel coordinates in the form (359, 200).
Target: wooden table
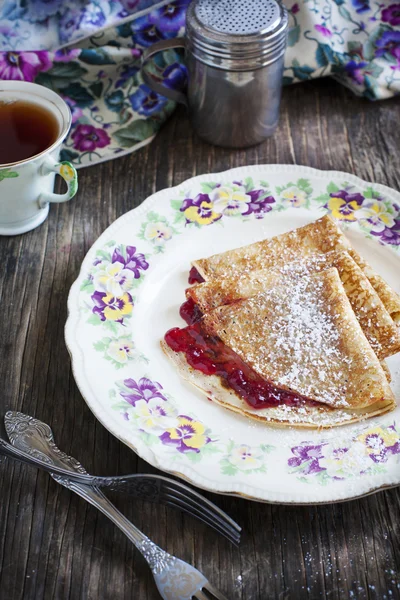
(52, 544)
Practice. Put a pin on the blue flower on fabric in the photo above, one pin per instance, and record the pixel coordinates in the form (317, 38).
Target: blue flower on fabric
(40, 10)
(147, 33)
(170, 17)
(93, 16)
(355, 71)
(69, 23)
(115, 101)
(389, 42)
(361, 6)
(126, 73)
(146, 102)
(175, 76)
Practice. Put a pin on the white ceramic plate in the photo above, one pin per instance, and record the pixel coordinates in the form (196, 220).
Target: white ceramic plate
(128, 295)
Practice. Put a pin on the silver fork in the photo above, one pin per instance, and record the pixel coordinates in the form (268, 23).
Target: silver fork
(33, 443)
(175, 579)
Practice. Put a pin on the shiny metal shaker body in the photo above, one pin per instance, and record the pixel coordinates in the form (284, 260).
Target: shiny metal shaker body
(234, 57)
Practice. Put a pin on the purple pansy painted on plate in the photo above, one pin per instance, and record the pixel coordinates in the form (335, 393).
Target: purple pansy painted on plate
(112, 308)
(131, 260)
(377, 215)
(144, 389)
(188, 436)
(366, 453)
(306, 457)
(343, 204)
(236, 199)
(155, 414)
(115, 273)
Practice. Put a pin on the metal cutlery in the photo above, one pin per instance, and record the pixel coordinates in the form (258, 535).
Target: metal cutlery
(175, 579)
(32, 442)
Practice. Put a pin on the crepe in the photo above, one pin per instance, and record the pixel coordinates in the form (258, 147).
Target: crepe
(300, 336)
(377, 324)
(318, 237)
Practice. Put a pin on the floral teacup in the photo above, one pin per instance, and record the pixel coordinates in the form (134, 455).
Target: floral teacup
(26, 186)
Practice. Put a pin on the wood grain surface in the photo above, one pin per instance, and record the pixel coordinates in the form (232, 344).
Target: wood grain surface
(52, 544)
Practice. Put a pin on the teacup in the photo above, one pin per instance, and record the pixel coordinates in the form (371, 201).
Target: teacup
(26, 185)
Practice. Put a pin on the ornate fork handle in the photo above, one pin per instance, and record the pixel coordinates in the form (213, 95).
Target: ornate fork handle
(158, 559)
(175, 579)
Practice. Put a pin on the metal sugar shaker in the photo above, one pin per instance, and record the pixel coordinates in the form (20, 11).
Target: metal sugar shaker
(234, 57)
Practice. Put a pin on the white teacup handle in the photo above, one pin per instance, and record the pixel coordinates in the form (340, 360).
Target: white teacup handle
(67, 172)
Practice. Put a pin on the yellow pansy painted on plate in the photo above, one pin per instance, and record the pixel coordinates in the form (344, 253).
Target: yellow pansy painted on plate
(375, 214)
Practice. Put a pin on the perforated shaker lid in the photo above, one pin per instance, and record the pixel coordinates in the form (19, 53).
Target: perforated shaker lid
(236, 34)
(238, 17)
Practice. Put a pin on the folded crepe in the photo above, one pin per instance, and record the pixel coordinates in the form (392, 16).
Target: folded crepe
(319, 237)
(302, 339)
(377, 324)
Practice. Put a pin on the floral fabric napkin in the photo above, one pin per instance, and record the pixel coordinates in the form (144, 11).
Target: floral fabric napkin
(89, 52)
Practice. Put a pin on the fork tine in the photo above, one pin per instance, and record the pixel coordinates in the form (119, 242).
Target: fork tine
(209, 516)
(232, 536)
(211, 589)
(201, 503)
(200, 596)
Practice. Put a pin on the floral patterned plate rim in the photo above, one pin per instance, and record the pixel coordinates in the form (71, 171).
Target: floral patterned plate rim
(128, 294)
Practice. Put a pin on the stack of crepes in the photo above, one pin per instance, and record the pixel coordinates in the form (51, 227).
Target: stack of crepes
(292, 330)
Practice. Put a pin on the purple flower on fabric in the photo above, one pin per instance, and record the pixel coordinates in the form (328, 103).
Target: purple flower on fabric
(309, 457)
(390, 235)
(188, 436)
(260, 203)
(355, 71)
(361, 6)
(134, 261)
(144, 389)
(389, 42)
(146, 102)
(170, 17)
(23, 66)
(87, 138)
(147, 33)
(391, 15)
(324, 30)
(76, 112)
(295, 9)
(40, 10)
(175, 76)
(69, 23)
(66, 55)
(127, 72)
(129, 5)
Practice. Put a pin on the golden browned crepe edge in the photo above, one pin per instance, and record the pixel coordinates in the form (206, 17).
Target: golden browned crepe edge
(321, 418)
(386, 370)
(376, 322)
(333, 239)
(364, 388)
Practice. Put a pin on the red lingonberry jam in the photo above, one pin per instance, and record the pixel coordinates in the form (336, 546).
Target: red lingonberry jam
(194, 276)
(190, 312)
(209, 355)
